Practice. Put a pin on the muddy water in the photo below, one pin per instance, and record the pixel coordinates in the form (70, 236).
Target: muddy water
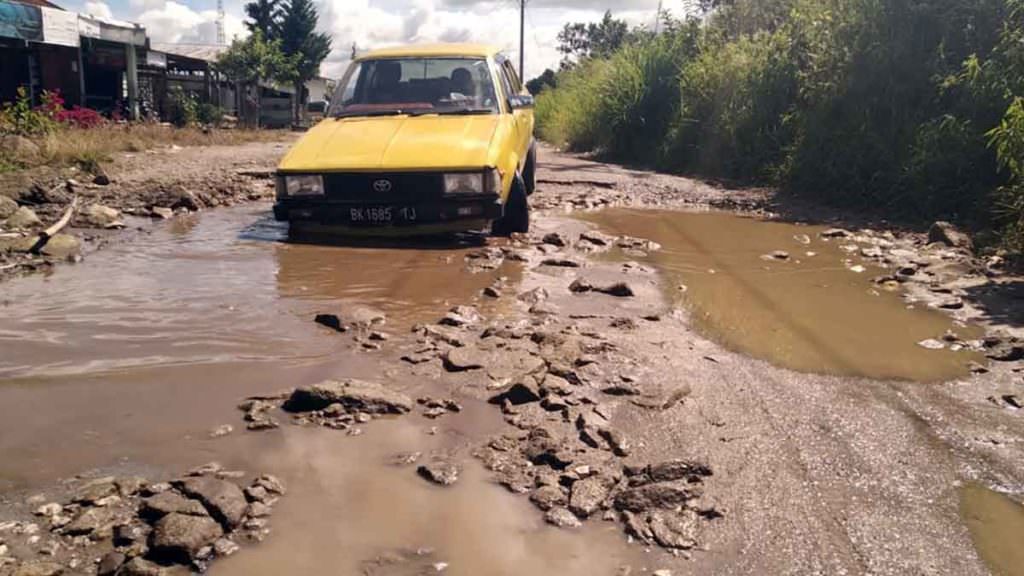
(126, 363)
(810, 313)
(997, 527)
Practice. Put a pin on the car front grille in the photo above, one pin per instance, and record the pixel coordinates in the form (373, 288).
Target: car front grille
(383, 187)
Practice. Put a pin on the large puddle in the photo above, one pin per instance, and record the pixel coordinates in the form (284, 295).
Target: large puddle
(997, 527)
(131, 359)
(810, 313)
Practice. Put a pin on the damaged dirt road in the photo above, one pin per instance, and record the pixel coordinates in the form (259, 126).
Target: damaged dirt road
(631, 389)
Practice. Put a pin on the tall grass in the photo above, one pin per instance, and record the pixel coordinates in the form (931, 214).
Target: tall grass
(88, 147)
(904, 106)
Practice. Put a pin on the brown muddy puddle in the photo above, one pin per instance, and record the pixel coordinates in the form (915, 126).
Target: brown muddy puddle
(996, 523)
(810, 313)
(127, 363)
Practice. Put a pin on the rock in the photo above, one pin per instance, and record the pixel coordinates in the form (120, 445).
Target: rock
(674, 530)
(39, 569)
(156, 507)
(109, 564)
(271, 484)
(948, 234)
(931, 344)
(677, 469)
(23, 218)
(777, 255)
(62, 246)
(331, 321)
(562, 518)
(355, 395)
(534, 296)
(661, 495)
(161, 212)
(51, 509)
(548, 497)
(221, 431)
(224, 547)
(95, 490)
(179, 537)
(99, 216)
(587, 495)
(522, 392)
(618, 289)
(597, 238)
(7, 207)
(555, 239)
(835, 233)
(461, 316)
(441, 472)
(100, 176)
(258, 510)
(91, 520)
(18, 146)
(224, 500)
(140, 567)
(133, 533)
(561, 263)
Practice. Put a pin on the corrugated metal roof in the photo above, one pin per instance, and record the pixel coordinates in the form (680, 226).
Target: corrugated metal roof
(42, 3)
(206, 52)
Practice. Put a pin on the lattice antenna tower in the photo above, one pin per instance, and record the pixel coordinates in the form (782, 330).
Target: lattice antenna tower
(221, 36)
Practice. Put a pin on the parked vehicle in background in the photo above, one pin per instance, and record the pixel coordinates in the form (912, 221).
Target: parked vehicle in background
(418, 139)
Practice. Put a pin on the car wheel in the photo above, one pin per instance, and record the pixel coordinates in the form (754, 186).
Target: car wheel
(530, 171)
(517, 212)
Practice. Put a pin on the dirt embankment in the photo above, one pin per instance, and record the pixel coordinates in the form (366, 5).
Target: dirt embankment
(151, 185)
(613, 408)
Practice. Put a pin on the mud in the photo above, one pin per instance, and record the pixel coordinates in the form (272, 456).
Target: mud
(785, 293)
(569, 413)
(997, 527)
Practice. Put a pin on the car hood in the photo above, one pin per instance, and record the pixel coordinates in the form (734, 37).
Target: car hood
(394, 143)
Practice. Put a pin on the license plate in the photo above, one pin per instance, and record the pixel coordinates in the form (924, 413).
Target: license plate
(381, 215)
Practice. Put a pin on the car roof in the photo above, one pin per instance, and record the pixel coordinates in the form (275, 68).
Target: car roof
(415, 50)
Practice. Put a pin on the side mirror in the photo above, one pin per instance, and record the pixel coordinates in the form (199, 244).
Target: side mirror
(519, 102)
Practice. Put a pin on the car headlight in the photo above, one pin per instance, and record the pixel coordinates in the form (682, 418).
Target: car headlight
(487, 182)
(464, 183)
(304, 185)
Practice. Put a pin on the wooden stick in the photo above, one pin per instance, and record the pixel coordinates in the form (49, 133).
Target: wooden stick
(57, 226)
(60, 224)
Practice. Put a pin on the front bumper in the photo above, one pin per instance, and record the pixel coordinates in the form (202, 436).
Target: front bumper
(449, 213)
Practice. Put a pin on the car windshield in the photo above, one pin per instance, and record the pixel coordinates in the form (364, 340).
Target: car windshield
(416, 86)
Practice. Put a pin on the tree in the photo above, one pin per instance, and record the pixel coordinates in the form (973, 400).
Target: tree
(265, 17)
(545, 80)
(250, 61)
(301, 42)
(580, 40)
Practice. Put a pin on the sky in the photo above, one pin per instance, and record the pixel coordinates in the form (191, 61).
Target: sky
(377, 23)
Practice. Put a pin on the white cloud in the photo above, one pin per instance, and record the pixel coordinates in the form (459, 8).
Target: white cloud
(98, 9)
(376, 23)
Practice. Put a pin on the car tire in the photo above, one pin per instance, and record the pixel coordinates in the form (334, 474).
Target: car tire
(516, 218)
(530, 170)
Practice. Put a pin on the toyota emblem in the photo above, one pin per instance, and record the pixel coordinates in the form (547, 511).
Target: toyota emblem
(382, 185)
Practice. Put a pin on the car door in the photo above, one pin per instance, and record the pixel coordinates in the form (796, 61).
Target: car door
(524, 114)
(522, 118)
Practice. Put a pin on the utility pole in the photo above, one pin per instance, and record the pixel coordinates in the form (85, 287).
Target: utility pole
(522, 37)
(657, 19)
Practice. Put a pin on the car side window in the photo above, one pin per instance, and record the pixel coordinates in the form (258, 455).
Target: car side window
(513, 78)
(506, 85)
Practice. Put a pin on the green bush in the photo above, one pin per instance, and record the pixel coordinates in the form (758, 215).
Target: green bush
(183, 108)
(209, 114)
(736, 100)
(21, 118)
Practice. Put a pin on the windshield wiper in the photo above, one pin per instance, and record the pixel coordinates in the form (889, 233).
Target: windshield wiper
(369, 113)
(467, 111)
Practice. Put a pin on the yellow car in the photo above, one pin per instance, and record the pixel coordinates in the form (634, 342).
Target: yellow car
(419, 139)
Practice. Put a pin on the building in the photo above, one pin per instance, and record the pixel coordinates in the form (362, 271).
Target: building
(111, 66)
